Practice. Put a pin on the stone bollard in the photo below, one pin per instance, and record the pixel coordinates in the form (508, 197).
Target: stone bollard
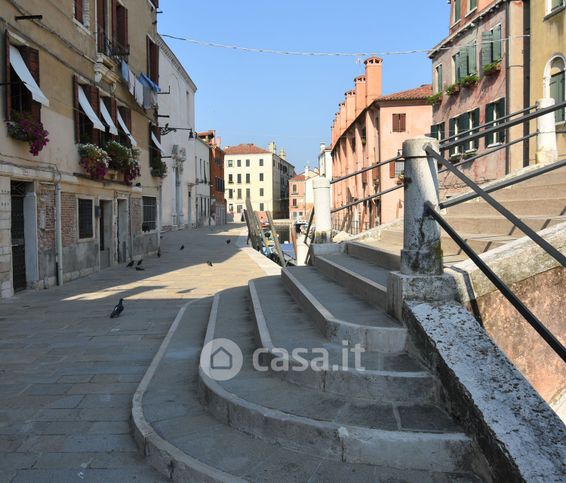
(547, 151)
(422, 275)
(322, 218)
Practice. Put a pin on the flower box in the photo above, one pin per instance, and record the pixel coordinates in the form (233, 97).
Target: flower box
(492, 69)
(452, 89)
(23, 128)
(469, 81)
(435, 99)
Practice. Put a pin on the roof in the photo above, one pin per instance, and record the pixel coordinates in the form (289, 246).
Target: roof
(421, 92)
(299, 177)
(245, 149)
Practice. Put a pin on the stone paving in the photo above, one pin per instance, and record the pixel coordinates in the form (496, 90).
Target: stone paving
(68, 371)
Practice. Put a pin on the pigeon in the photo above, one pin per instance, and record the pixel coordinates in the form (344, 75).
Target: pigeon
(228, 242)
(140, 262)
(209, 263)
(117, 310)
(159, 253)
(131, 264)
(140, 269)
(182, 247)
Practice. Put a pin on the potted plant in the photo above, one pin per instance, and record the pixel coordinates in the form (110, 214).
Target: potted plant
(492, 69)
(23, 128)
(452, 89)
(435, 99)
(470, 80)
(401, 178)
(157, 165)
(124, 159)
(94, 160)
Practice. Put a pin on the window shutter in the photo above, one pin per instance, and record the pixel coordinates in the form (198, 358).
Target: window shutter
(114, 10)
(392, 169)
(440, 80)
(561, 95)
(76, 109)
(7, 76)
(93, 96)
(452, 132)
(472, 62)
(122, 26)
(395, 123)
(79, 11)
(496, 43)
(489, 115)
(486, 48)
(434, 131)
(441, 132)
(31, 58)
(475, 124)
(402, 122)
(461, 60)
(155, 66)
(500, 107)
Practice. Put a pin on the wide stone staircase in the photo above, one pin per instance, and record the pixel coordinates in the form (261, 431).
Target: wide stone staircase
(540, 202)
(376, 415)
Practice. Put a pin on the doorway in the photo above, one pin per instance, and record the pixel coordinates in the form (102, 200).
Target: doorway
(105, 233)
(122, 231)
(18, 194)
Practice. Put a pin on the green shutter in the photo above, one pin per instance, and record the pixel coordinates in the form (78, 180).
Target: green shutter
(473, 4)
(500, 110)
(452, 132)
(486, 38)
(441, 132)
(434, 131)
(556, 4)
(496, 43)
(440, 80)
(464, 125)
(472, 62)
(462, 61)
(489, 116)
(457, 10)
(557, 93)
(475, 124)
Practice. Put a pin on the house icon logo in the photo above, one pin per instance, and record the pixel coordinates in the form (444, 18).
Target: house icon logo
(221, 359)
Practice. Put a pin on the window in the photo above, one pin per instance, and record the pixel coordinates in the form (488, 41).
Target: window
(456, 11)
(239, 208)
(261, 207)
(101, 27)
(295, 188)
(124, 117)
(239, 194)
(152, 60)
(261, 162)
(81, 11)
(239, 163)
(465, 62)
(438, 81)
(399, 122)
(120, 39)
(87, 113)
(460, 124)
(86, 225)
(230, 193)
(261, 176)
(230, 163)
(261, 192)
(399, 168)
(239, 178)
(556, 84)
(472, 5)
(491, 46)
(248, 178)
(155, 161)
(294, 202)
(248, 194)
(437, 131)
(108, 110)
(231, 208)
(495, 111)
(247, 163)
(149, 221)
(553, 5)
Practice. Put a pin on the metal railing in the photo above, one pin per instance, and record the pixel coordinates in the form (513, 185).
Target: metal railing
(111, 47)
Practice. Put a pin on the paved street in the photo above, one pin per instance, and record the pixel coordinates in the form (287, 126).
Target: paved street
(68, 371)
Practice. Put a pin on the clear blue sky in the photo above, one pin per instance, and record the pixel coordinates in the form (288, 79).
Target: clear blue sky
(258, 98)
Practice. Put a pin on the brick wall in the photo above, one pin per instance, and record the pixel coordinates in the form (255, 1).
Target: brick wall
(69, 218)
(46, 217)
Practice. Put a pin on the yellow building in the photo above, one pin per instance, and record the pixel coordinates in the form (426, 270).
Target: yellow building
(548, 60)
(85, 71)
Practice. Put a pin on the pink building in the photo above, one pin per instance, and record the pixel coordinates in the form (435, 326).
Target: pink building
(301, 196)
(370, 128)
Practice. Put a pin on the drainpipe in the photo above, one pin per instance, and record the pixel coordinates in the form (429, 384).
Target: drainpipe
(58, 230)
(526, 76)
(507, 84)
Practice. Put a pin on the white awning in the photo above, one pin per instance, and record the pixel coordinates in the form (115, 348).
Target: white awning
(24, 74)
(89, 111)
(157, 143)
(125, 128)
(108, 119)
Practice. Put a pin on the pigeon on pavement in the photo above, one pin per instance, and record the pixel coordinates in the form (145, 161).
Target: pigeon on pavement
(182, 247)
(209, 263)
(159, 253)
(131, 264)
(228, 242)
(140, 269)
(140, 262)
(117, 310)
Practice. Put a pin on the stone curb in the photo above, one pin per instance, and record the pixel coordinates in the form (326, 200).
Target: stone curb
(162, 455)
(385, 258)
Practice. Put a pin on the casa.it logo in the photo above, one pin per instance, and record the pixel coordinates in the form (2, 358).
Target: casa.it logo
(221, 359)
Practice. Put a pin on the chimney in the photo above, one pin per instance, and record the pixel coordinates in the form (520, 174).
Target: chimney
(360, 93)
(342, 114)
(322, 147)
(306, 172)
(283, 154)
(373, 78)
(272, 148)
(350, 107)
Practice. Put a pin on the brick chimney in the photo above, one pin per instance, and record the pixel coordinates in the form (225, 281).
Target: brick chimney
(350, 107)
(360, 94)
(342, 114)
(373, 79)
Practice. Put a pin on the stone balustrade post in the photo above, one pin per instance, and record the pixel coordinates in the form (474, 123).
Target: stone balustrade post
(322, 218)
(547, 151)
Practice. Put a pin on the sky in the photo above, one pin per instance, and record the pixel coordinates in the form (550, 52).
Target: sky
(258, 98)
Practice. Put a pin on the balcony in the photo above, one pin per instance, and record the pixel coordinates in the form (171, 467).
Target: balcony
(111, 48)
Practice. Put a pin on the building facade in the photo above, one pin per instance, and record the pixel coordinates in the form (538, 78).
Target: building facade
(259, 174)
(201, 191)
(79, 198)
(216, 163)
(548, 62)
(479, 77)
(177, 111)
(301, 195)
(370, 128)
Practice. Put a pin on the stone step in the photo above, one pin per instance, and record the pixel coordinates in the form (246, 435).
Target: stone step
(342, 316)
(188, 444)
(390, 260)
(385, 378)
(366, 280)
(545, 189)
(499, 225)
(415, 437)
(522, 207)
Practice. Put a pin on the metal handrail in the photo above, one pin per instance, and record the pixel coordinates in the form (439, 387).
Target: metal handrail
(309, 225)
(533, 235)
(534, 322)
(363, 200)
(367, 168)
(486, 124)
(503, 184)
(503, 126)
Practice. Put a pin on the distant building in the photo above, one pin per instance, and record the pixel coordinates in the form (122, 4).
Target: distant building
(301, 195)
(201, 203)
(325, 161)
(479, 77)
(179, 107)
(216, 163)
(259, 174)
(370, 128)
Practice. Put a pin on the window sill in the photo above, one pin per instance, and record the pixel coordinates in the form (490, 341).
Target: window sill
(474, 10)
(457, 22)
(554, 12)
(493, 145)
(86, 240)
(82, 27)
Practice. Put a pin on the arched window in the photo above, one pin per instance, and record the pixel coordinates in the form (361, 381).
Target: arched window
(554, 83)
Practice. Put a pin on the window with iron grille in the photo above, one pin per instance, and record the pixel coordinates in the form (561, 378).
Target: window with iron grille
(86, 224)
(149, 222)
